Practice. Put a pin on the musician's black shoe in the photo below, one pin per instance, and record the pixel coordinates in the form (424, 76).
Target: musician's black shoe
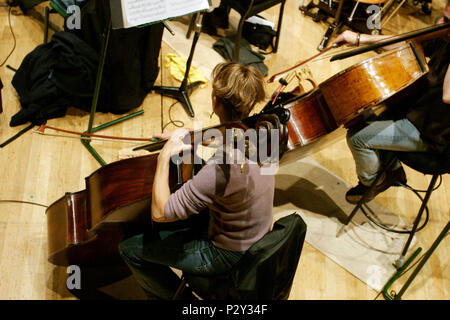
(392, 179)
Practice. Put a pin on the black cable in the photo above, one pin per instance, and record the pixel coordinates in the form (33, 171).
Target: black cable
(382, 226)
(427, 214)
(176, 123)
(24, 202)
(412, 189)
(14, 37)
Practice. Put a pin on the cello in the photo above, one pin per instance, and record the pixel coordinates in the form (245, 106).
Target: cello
(341, 99)
(85, 227)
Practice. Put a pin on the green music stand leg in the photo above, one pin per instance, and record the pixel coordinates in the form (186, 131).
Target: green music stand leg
(86, 141)
(424, 259)
(386, 295)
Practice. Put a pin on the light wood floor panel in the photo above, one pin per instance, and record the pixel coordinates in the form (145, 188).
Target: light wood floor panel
(41, 169)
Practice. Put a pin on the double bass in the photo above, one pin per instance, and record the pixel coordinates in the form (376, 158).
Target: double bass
(85, 227)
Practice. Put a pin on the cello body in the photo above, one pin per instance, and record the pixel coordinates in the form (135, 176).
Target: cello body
(316, 117)
(372, 81)
(309, 125)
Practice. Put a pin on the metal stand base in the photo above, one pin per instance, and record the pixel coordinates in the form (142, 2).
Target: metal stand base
(182, 93)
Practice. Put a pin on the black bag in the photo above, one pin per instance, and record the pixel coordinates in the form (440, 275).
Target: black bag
(131, 65)
(53, 77)
(258, 35)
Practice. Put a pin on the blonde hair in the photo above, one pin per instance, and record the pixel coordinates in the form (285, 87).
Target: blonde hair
(238, 88)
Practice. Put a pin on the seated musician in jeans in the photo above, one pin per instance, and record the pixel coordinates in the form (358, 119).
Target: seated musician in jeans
(422, 125)
(225, 207)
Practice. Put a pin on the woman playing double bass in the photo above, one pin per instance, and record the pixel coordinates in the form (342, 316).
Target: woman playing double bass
(420, 123)
(237, 199)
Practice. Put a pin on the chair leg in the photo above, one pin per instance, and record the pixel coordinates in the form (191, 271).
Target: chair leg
(46, 22)
(237, 45)
(180, 289)
(280, 19)
(400, 261)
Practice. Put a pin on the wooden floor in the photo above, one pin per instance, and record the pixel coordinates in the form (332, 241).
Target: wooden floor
(41, 169)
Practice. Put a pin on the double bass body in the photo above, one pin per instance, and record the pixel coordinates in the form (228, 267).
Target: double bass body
(85, 227)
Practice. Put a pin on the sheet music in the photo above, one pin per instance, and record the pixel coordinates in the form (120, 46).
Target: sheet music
(139, 12)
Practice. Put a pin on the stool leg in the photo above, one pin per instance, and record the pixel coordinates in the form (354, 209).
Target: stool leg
(364, 197)
(400, 261)
(180, 289)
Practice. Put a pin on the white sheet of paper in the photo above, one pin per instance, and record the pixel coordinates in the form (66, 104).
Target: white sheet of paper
(139, 12)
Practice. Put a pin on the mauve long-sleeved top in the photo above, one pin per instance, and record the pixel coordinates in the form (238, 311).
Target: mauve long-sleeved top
(240, 203)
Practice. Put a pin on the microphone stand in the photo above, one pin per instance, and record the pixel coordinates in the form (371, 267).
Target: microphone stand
(182, 93)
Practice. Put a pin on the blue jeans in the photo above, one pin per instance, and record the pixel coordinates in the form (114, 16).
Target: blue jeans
(371, 142)
(185, 246)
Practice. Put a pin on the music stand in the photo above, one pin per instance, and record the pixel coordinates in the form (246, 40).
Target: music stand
(182, 92)
(86, 141)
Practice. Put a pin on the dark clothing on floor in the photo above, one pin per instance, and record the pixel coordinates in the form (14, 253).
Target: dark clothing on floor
(53, 77)
(131, 65)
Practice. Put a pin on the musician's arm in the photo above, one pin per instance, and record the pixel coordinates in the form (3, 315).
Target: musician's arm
(446, 88)
(161, 189)
(351, 37)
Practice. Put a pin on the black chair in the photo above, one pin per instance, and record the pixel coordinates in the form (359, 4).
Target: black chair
(249, 8)
(434, 164)
(266, 271)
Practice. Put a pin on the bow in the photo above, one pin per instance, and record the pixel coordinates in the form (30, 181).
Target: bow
(89, 136)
